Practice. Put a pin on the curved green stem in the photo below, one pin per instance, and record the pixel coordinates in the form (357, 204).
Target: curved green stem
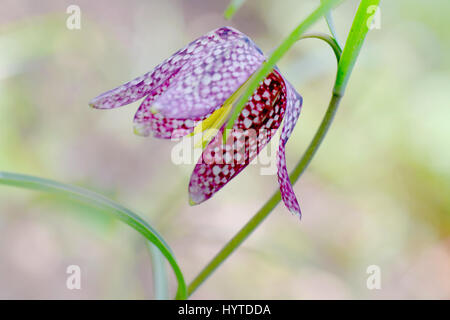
(346, 63)
(277, 54)
(119, 211)
(255, 221)
(259, 217)
(328, 39)
(330, 23)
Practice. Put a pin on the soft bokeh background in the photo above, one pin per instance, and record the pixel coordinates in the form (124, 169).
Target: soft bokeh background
(377, 193)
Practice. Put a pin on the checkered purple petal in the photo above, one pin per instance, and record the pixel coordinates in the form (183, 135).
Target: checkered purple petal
(211, 76)
(255, 126)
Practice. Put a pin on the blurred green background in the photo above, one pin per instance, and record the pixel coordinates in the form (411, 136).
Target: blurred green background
(377, 193)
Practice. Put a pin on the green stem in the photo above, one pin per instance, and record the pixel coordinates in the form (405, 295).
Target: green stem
(277, 54)
(353, 45)
(330, 23)
(259, 217)
(328, 39)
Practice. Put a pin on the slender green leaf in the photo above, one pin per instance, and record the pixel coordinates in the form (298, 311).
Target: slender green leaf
(279, 52)
(160, 280)
(330, 23)
(119, 211)
(355, 40)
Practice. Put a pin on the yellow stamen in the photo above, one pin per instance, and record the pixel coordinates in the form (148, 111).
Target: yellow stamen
(192, 202)
(211, 125)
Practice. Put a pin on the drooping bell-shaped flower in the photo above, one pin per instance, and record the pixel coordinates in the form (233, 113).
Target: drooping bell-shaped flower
(196, 89)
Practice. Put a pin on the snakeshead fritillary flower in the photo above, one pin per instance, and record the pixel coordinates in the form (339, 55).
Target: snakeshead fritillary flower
(198, 87)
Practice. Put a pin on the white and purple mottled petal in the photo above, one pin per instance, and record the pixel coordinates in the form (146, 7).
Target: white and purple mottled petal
(146, 123)
(150, 83)
(293, 107)
(157, 80)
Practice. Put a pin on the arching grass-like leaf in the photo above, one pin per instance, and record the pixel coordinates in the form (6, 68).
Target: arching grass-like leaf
(232, 8)
(119, 211)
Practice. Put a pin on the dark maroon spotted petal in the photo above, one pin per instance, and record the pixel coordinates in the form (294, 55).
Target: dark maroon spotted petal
(293, 107)
(257, 123)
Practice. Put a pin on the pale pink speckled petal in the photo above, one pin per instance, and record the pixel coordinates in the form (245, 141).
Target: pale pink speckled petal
(257, 123)
(138, 88)
(293, 107)
(159, 78)
(211, 76)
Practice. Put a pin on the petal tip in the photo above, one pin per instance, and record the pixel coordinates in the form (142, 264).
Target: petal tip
(192, 202)
(96, 103)
(195, 196)
(137, 131)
